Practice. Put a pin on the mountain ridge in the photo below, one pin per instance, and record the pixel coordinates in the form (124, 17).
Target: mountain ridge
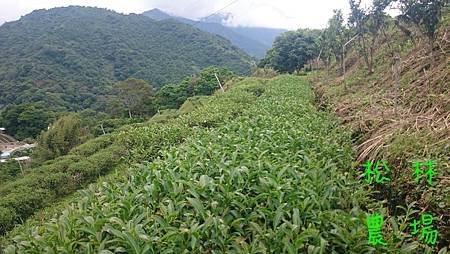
(70, 56)
(253, 40)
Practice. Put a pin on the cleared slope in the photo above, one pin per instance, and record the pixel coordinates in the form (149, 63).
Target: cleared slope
(272, 178)
(401, 114)
(69, 57)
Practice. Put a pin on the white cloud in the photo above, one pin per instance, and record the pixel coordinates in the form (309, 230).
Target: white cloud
(290, 14)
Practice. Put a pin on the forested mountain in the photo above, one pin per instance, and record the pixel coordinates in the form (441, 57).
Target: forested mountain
(253, 40)
(68, 57)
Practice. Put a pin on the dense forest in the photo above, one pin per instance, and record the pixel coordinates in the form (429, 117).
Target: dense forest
(69, 58)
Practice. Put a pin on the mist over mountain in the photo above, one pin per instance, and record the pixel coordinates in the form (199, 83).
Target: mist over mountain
(253, 40)
(67, 57)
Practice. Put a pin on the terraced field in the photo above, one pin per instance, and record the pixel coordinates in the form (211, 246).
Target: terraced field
(6, 139)
(260, 171)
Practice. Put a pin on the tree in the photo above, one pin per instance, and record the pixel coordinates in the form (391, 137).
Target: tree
(171, 96)
(135, 96)
(367, 24)
(26, 120)
(205, 83)
(64, 134)
(292, 50)
(357, 20)
(426, 15)
(334, 37)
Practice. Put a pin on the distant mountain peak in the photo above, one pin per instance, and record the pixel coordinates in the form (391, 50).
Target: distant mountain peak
(219, 18)
(157, 14)
(253, 40)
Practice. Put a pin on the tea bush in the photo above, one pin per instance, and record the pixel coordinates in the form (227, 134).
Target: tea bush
(84, 164)
(267, 173)
(254, 170)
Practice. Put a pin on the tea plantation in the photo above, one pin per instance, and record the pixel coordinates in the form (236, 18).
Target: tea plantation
(259, 170)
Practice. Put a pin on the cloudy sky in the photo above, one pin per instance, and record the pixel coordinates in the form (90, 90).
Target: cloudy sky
(289, 14)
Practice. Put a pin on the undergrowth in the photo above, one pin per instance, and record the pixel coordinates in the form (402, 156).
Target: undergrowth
(400, 119)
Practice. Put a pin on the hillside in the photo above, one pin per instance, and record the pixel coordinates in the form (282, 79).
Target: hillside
(338, 143)
(399, 114)
(68, 57)
(245, 178)
(254, 169)
(253, 40)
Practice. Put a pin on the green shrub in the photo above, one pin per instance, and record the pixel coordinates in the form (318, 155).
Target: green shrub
(269, 174)
(7, 217)
(92, 146)
(9, 171)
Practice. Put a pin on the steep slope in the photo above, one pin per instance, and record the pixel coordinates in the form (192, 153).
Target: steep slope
(253, 40)
(399, 114)
(69, 56)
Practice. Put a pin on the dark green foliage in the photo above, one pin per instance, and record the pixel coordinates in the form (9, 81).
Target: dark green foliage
(204, 83)
(135, 96)
(99, 123)
(426, 14)
(292, 50)
(7, 215)
(70, 57)
(9, 171)
(171, 96)
(26, 120)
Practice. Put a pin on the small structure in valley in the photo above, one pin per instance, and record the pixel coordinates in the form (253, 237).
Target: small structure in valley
(9, 145)
(5, 155)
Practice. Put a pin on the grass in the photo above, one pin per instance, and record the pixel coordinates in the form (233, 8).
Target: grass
(400, 126)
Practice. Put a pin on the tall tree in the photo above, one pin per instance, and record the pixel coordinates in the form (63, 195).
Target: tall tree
(135, 96)
(63, 135)
(335, 36)
(26, 120)
(292, 50)
(426, 15)
(357, 20)
(367, 24)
